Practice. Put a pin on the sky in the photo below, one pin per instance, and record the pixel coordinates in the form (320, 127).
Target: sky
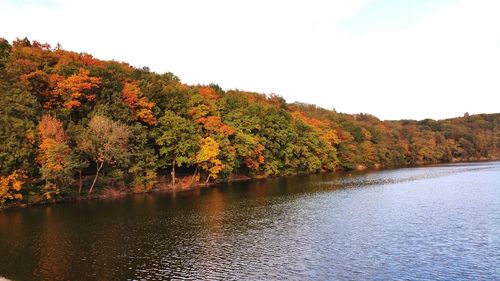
(395, 59)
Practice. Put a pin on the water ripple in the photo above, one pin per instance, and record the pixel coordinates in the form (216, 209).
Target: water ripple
(431, 223)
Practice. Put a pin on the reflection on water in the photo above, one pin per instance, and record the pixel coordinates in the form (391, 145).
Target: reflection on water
(426, 223)
(54, 247)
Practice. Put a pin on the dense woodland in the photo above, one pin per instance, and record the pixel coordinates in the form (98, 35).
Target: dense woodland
(73, 125)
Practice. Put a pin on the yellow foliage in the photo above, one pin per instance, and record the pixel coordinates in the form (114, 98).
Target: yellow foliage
(10, 186)
(207, 157)
(323, 127)
(216, 168)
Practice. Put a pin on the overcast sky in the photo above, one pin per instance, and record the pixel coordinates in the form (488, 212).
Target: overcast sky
(392, 58)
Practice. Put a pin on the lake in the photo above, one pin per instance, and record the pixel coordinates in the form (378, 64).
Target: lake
(426, 223)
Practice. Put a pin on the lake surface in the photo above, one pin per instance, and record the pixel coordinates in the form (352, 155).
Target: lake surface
(430, 223)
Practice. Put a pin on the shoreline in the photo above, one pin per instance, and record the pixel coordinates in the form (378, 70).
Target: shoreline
(167, 188)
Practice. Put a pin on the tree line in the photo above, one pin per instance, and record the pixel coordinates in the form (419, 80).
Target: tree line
(72, 125)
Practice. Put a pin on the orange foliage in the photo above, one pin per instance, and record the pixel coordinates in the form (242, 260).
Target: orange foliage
(89, 60)
(51, 128)
(38, 45)
(51, 134)
(130, 94)
(257, 158)
(198, 112)
(183, 87)
(54, 79)
(76, 88)
(321, 126)
(208, 93)
(42, 85)
(252, 98)
(214, 124)
(384, 128)
(57, 164)
(299, 115)
(344, 136)
(209, 98)
(134, 99)
(275, 100)
(22, 65)
(67, 58)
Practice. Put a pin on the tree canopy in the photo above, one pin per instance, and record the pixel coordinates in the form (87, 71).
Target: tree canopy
(70, 123)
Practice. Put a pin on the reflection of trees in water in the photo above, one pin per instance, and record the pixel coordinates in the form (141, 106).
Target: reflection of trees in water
(54, 248)
(208, 225)
(13, 227)
(12, 223)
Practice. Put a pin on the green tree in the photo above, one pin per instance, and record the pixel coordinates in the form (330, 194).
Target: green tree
(177, 140)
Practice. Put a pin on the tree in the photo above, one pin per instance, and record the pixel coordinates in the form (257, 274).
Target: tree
(4, 51)
(54, 156)
(76, 89)
(78, 135)
(56, 166)
(10, 187)
(53, 103)
(18, 117)
(144, 159)
(249, 151)
(207, 158)
(140, 106)
(107, 143)
(177, 140)
(279, 134)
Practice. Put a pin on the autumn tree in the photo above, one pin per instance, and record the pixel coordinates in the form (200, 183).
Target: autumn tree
(107, 142)
(10, 187)
(202, 126)
(55, 155)
(207, 158)
(76, 89)
(249, 151)
(140, 106)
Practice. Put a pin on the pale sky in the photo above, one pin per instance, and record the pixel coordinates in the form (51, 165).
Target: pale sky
(396, 59)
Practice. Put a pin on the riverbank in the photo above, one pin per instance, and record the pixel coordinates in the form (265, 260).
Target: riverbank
(110, 193)
(70, 116)
(184, 184)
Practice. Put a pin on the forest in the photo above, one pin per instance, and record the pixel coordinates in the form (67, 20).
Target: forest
(74, 126)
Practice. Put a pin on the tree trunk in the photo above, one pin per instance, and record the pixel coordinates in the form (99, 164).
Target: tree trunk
(80, 184)
(208, 178)
(173, 172)
(194, 176)
(99, 166)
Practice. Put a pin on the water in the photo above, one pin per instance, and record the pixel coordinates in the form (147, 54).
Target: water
(432, 223)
